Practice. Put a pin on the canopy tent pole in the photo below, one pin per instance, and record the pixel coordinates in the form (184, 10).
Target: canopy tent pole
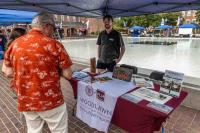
(106, 8)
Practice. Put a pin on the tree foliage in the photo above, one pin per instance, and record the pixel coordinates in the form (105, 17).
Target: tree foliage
(147, 20)
(198, 16)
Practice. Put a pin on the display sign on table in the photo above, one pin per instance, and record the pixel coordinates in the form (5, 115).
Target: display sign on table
(172, 82)
(122, 73)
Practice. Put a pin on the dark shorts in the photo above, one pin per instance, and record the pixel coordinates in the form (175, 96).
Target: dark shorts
(108, 66)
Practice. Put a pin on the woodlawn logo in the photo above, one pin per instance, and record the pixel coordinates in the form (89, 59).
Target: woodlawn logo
(89, 90)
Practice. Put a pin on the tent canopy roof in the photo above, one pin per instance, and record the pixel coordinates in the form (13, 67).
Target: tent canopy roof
(97, 8)
(189, 26)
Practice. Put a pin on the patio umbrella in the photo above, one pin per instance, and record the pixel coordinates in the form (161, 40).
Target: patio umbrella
(97, 8)
(137, 28)
(162, 27)
(193, 26)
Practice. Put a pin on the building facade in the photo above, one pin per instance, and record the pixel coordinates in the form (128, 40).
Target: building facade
(189, 16)
(78, 26)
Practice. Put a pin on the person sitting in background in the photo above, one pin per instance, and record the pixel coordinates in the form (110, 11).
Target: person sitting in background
(15, 33)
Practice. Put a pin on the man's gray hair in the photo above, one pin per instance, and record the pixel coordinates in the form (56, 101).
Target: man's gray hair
(43, 18)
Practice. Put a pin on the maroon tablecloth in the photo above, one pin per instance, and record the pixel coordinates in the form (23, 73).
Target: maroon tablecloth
(138, 118)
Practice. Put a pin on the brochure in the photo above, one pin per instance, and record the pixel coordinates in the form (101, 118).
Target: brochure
(160, 107)
(103, 79)
(151, 95)
(141, 82)
(132, 98)
(79, 75)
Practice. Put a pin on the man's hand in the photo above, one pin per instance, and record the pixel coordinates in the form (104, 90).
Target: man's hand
(8, 71)
(117, 60)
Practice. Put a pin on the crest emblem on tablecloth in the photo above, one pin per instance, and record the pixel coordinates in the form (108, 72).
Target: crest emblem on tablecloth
(100, 95)
(89, 90)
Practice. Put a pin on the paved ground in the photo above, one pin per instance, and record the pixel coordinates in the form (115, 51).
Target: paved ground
(183, 119)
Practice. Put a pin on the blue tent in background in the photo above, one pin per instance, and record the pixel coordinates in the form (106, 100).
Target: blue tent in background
(162, 27)
(7, 17)
(192, 25)
(136, 28)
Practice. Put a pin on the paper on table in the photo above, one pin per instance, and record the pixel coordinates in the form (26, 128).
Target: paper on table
(132, 98)
(141, 82)
(160, 107)
(151, 95)
(79, 75)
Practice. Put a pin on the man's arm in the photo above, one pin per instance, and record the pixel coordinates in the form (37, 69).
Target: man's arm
(99, 51)
(65, 62)
(99, 46)
(8, 71)
(122, 49)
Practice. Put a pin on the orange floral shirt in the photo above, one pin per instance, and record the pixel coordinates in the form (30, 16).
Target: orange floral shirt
(36, 61)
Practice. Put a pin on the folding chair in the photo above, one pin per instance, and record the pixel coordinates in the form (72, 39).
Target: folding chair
(156, 75)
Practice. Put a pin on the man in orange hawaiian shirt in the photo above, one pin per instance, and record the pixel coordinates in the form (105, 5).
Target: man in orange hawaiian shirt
(35, 61)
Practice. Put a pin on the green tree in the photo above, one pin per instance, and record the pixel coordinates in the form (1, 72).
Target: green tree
(147, 20)
(171, 18)
(198, 16)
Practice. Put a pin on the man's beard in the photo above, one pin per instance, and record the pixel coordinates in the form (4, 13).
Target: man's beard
(107, 26)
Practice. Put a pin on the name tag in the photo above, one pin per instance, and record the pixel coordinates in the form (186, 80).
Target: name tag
(111, 39)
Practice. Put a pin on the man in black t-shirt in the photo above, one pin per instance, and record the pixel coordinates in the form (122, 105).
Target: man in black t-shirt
(110, 46)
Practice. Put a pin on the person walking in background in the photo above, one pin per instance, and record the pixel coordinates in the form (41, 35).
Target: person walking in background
(15, 33)
(110, 46)
(3, 40)
(34, 61)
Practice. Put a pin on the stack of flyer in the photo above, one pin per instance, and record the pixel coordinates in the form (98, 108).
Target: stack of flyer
(157, 100)
(79, 75)
(151, 95)
(172, 82)
(142, 82)
(160, 107)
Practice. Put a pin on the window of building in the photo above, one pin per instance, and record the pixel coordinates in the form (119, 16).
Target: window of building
(189, 13)
(194, 20)
(183, 13)
(74, 19)
(68, 18)
(62, 18)
(56, 17)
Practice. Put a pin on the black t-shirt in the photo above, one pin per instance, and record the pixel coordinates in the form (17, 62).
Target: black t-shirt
(111, 43)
